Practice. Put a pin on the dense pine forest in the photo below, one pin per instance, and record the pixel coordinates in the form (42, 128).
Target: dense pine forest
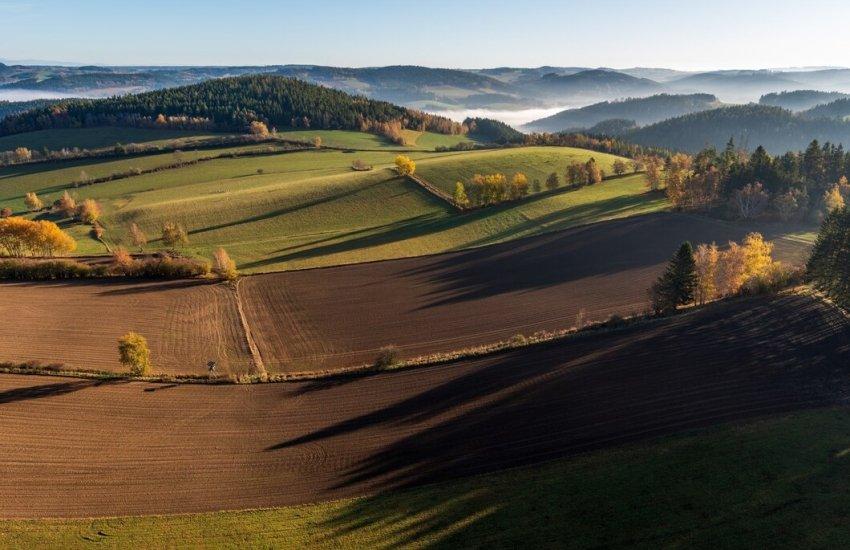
(232, 104)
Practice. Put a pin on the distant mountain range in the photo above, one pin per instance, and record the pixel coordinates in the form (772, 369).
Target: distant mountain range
(502, 88)
(640, 111)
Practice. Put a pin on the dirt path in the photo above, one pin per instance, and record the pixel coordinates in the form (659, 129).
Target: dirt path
(74, 448)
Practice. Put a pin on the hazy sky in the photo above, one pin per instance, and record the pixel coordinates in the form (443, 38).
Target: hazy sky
(437, 33)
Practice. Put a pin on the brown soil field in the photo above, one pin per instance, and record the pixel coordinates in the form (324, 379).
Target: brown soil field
(78, 448)
(341, 316)
(78, 323)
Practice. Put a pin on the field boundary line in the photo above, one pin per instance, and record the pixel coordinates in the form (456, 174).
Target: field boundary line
(256, 358)
(434, 190)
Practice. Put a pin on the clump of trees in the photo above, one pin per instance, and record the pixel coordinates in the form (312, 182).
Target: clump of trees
(404, 165)
(174, 235)
(829, 265)
(134, 353)
(792, 186)
(584, 173)
(490, 189)
(20, 237)
(709, 273)
(32, 202)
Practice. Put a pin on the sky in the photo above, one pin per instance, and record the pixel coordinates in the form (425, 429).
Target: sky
(439, 33)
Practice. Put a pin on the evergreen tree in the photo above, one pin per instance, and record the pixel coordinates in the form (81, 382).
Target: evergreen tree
(676, 286)
(829, 264)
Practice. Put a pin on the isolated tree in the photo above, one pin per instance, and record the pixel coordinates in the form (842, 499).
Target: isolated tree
(404, 165)
(317, 142)
(223, 266)
(174, 235)
(705, 265)
(619, 167)
(536, 186)
(32, 202)
(676, 286)
(137, 236)
(519, 186)
(594, 173)
(577, 174)
(133, 352)
(67, 205)
(89, 211)
(552, 181)
(460, 197)
(6, 212)
(258, 128)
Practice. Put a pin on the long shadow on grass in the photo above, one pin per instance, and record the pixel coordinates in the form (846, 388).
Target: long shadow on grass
(746, 360)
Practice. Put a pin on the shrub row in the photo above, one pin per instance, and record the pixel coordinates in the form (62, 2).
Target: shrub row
(160, 267)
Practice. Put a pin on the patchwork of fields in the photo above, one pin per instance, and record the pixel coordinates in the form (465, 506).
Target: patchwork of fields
(136, 448)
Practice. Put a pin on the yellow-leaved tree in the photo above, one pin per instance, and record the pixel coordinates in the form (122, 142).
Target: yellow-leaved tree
(404, 165)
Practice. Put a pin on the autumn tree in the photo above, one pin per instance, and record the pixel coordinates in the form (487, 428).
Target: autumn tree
(460, 197)
(67, 205)
(404, 165)
(32, 202)
(619, 167)
(536, 186)
(317, 142)
(705, 265)
(174, 235)
(750, 201)
(21, 237)
(577, 174)
(22, 154)
(6, 212)
(258, 128)
(223, 266)
(832, 199)
(552, 181)
(88, 211)
(638, 165)
(137, 236)
(594, 173)
(519, 186)
(133, 352)
(653, 165)
(121, 259)
(676, 286)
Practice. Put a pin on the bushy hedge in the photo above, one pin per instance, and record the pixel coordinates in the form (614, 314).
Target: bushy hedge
(160, 267)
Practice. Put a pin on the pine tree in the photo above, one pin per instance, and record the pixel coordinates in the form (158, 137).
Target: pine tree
(829, 264)
(677, 285)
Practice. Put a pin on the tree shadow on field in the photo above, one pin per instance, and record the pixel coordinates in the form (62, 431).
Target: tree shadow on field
(741, 361)
(117, 286)
(46, 390)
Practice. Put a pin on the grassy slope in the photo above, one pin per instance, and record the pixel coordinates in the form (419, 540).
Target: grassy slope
(534, 162)
(427, 141)
(90, 138)
(309, 209)
(776, 482)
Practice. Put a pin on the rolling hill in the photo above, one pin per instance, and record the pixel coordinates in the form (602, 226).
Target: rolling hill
(642, 111)
(595, 83)
(800, 100)
(838, 109)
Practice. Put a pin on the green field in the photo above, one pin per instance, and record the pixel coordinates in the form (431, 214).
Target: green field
(781, 482)
(308, 209)
(534, 162)
(426, 141)
(93, 138)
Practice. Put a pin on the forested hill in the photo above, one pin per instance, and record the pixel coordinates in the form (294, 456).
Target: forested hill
(492, 131)
(231, 104)
(800, 100)
(646, 110)
(14, 107)
(777, 129)
(840, 109)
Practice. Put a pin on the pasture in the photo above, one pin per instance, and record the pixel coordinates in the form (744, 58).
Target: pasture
(94, 138)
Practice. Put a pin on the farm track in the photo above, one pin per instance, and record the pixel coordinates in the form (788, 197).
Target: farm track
(77, 448)
(337, 317)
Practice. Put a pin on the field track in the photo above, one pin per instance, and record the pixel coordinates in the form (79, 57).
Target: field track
(78, 323)
(73, 448)
(341, 316)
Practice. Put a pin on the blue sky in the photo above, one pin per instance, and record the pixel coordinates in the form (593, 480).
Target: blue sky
(441, 33)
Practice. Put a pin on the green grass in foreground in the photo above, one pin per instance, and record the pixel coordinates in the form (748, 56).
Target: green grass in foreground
(781, 482)
(92, 138)
(534, 162)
